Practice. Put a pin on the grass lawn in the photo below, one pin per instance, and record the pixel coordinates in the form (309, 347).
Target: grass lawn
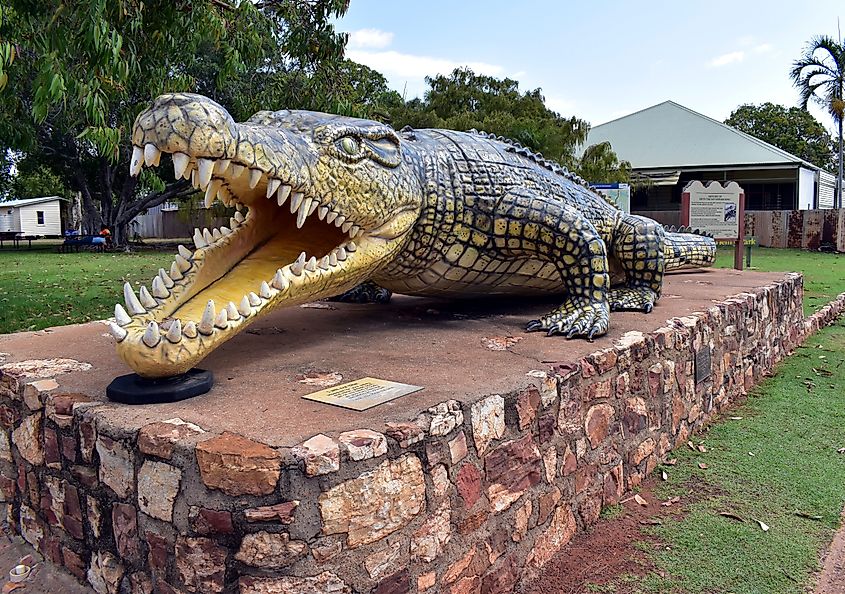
(774, 460)
(824, 274)
(42, 288)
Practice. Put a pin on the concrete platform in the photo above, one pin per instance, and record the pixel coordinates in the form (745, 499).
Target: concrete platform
(428, 342)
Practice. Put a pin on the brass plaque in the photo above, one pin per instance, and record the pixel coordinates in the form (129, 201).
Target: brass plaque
(363, 393)
(702, 365)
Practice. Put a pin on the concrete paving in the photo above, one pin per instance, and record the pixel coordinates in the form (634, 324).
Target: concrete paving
(432, 343)
(45, 578)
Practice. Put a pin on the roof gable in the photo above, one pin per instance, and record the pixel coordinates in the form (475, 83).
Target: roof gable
(29, 201)
(670, 135)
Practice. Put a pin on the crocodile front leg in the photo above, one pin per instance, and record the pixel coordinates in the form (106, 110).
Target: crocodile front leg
(549, 230)
(638, 245)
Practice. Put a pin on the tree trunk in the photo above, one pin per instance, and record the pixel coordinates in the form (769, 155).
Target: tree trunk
(838, 202)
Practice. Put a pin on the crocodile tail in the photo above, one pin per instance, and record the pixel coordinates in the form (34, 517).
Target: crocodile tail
(685, 248)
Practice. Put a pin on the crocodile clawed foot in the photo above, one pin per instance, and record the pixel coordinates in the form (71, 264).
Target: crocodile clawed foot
(632, 299)
(571, 320)
(366, 292)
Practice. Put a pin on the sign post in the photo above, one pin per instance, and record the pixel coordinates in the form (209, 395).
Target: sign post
(716, 209)
(619, 193)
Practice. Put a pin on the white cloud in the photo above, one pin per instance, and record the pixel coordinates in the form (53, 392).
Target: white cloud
(763, 48)
(372, 38)
(562, 105)
(725, 59)
(396, 64)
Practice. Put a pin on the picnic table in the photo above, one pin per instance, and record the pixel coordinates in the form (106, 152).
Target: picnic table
(16, 237)
(71, 243)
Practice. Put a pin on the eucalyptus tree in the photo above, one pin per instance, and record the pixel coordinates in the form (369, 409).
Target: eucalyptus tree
(819, 75)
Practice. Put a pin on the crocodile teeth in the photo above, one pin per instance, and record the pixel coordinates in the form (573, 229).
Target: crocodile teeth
(168, 282)
(283, 194)
(211, 192)
(279, 281)
(237, 170)
(175, 273)
(185, 253)
(322, 211)
(331, 217)
(232, 311)
(353, 232)
(174, 333)
(254, 177)
(295, 201)
(264, 290)
(199, 241)
(338, 222)
(181, 263)
(303, 213)
(180, 164)
(341, 254)
(120, 315)
(216, 234)
(332, 259)
(221, 166)
(234, 223)
(254, 300)
(272, 186)
(132, 304)
(190, 329)
(313, 207)
(351, 247)
(207, 236)
(205, 167)
(224, 231)
(159, 289)
(239, 217)
(151, 155)
(207, 322)
(152, 336)
(137, 161)
(311, 265)
(346, 226)
(244, 307)
(296, 267)
(194, 178)
(222, 319)
(116, 331)
(324, 263)
(147, 299)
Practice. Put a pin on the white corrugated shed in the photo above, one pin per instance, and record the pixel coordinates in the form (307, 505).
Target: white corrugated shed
(827, 188)
(34, 216)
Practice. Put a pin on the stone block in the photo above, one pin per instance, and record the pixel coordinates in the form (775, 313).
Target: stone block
(643, 451)
(201, 564)
(5, 446)
(376, 503)
(160, 551)
(503, 579)
(522, 520)
(559, 533)
(280, 512)
(209, 521)
(428, 540)
(383, 561)
(488, 422)
(116, 466)
(52, 455)
(265, 550)
(105, 573)
(550, 464)
(458, 447)
(468, 484)
(324, 583)
(445, 417)
(87, 438)
(238, 466)
(27, 438)
(125, 527)
(405, 433)
(363, 444)
(546, 504)
(158, 486)
(34, 392)
(527, 404)
(398, 583)
(159, 439)
(597, 423)
(320, 455)
(510, 470)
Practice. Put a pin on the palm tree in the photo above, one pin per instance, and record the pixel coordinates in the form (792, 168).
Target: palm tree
(819, 75)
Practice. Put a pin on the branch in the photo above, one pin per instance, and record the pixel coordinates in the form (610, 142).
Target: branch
(179, 189)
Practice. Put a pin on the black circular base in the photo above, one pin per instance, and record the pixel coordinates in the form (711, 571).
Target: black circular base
(134, 389)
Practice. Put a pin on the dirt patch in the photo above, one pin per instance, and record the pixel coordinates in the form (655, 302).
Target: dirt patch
(611, 550)
(832, 577)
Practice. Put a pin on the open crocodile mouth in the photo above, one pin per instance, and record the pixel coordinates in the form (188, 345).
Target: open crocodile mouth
(283, 245)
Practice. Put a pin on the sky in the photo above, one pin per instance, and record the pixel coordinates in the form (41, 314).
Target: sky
(598, 60)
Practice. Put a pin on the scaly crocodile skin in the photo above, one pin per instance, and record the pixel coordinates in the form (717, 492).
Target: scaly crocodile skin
(323, 203)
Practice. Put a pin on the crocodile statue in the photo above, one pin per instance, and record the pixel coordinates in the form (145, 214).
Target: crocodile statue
(323, 203)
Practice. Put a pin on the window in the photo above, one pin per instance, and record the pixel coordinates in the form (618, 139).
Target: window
(40, 215)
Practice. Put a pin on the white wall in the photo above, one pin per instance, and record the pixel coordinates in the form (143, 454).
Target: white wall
(52, 219)
(806, 188)
(827, 188)
(9, 221)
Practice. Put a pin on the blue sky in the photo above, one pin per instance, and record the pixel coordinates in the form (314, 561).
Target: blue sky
(598, 60)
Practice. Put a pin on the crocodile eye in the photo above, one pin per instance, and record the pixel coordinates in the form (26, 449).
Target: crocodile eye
(350, 145)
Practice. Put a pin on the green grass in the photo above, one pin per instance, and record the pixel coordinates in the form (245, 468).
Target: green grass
(792, 424)
(42, 288)
(824, 274)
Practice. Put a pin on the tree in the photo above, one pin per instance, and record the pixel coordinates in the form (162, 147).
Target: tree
(789, 128)
(600, 165)
(465, 100)
(73, 76)
(819, 75)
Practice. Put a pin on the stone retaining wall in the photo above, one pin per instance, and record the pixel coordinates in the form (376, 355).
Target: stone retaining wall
(467, 498)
